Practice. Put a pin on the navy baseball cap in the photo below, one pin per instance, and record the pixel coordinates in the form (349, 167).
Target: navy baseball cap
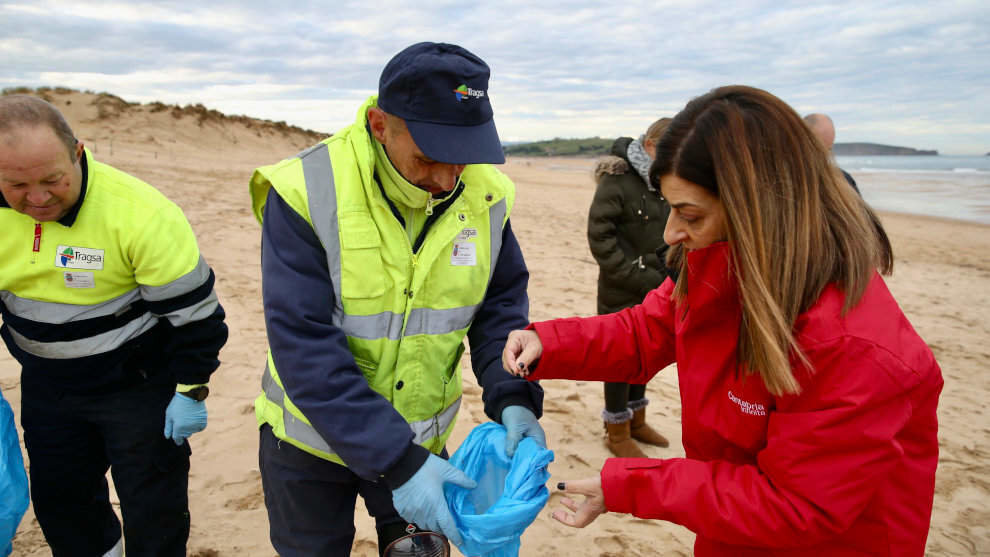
(441, 91)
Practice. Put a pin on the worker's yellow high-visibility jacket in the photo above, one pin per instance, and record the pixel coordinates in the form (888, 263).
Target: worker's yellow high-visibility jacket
(405, 314)
(86, 298)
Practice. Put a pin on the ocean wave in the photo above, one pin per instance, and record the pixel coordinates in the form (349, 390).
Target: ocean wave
(879, 169)
(915, 164)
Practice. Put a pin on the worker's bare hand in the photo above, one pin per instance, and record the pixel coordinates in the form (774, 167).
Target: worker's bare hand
(585, 512)
(522, 348)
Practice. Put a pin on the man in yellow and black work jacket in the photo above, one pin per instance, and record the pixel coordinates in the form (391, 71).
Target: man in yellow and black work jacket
(383, 247)
(110, 310)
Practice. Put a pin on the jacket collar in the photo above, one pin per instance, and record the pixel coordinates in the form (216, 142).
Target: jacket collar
(712, 282)
(70, 218)
(397, 188)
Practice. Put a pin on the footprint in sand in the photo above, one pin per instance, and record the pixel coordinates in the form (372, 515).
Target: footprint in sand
(248, 502)
(573, 459)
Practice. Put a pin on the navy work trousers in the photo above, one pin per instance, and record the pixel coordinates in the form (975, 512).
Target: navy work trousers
(72, 440)
(311, 502)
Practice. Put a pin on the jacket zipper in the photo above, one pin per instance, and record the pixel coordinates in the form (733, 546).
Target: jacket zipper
(36, 246)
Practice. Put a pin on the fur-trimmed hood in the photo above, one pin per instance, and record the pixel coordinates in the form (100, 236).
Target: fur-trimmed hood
(616, 162)
(611, 165)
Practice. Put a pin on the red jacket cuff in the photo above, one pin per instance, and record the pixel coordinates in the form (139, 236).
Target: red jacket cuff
(622, 485)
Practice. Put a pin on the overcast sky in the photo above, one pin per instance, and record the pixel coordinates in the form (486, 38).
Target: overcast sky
(907, 73)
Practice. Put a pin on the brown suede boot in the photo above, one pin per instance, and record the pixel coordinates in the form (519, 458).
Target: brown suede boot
(640, 431)
(618, 441)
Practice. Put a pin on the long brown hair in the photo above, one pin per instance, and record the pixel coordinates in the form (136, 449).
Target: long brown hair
(793, 224)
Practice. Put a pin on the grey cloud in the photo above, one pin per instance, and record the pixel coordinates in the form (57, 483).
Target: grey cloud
(583, 66)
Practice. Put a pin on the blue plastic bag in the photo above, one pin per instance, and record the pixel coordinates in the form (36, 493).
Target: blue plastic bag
(509, 496)
(13, 480)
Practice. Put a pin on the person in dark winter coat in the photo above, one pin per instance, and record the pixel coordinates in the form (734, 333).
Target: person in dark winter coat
(625, 233)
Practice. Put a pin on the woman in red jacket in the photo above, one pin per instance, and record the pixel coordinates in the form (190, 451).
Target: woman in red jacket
(808, 400)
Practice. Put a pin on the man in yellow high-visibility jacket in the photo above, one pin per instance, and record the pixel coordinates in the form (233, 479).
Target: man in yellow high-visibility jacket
(383, 247)
(110, 310)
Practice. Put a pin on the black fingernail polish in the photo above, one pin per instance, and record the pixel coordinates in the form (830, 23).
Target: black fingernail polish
(521, 365)
(561, 486)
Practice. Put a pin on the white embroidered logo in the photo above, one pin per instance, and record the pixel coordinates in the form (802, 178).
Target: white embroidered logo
(752, 408)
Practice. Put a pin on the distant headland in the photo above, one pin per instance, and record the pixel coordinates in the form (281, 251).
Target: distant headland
(597, 146)
(860, 149)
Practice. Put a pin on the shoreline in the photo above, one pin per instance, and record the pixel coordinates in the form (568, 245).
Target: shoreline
(878, 195)
(931, 218)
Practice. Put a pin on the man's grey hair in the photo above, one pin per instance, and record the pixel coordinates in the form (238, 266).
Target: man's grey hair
(17, 111)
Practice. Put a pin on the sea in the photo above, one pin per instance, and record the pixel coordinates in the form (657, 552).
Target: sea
(955, 187)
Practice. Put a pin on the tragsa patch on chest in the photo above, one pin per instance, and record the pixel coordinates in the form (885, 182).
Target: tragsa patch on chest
(75, 257)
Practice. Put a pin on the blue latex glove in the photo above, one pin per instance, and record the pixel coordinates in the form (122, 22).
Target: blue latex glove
(520, 422)
(183, 417)
(421, 500)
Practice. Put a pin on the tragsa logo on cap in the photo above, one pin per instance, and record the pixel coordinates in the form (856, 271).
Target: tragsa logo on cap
(440, 90)
(465, 92)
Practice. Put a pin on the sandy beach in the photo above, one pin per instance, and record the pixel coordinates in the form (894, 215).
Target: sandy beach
(941, 280)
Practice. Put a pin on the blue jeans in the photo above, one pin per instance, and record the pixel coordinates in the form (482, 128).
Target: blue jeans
(73, 439)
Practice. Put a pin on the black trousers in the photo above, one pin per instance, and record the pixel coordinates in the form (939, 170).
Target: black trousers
(618, 395)
(311, 501)
(72, 440)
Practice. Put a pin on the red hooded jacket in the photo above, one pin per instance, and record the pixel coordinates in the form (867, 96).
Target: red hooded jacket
(845, 467)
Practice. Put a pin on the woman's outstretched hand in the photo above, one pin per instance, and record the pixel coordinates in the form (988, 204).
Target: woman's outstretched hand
(522, 348)
(586, 511)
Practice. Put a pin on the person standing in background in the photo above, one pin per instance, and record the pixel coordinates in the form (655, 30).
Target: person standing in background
(625, 234)
(824, 130)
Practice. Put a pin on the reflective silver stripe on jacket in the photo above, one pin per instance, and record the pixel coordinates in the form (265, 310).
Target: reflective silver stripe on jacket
(427, 321)
(496, 214)
(426, 430)
(423, 431)
(294, 427)
(386, 324)
(322, 196)
(182, 285)
(200, 310)
(97, 344)
(55, 313)
(117, 550)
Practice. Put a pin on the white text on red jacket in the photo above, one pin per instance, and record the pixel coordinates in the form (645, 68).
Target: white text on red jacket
(751, 408)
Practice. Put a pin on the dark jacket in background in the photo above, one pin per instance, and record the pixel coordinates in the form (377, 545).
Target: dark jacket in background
(849, 179)
(625, 228)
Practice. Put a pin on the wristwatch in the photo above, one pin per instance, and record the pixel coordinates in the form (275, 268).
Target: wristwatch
(198, 393)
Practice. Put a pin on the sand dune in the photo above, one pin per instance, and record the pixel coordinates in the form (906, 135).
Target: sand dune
(941, 279)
